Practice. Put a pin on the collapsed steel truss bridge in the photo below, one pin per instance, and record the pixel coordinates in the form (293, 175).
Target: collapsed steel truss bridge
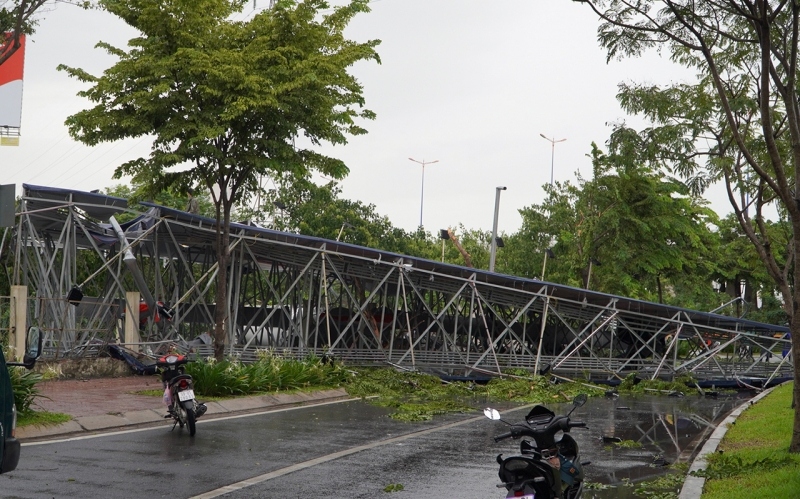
(301, 295)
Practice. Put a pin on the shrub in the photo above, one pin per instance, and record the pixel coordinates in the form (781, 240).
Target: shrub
(270, 373)
(23, 383)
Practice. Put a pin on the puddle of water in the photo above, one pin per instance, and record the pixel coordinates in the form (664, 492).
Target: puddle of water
(665, 430)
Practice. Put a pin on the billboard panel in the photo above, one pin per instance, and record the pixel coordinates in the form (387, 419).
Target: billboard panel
(11, 94)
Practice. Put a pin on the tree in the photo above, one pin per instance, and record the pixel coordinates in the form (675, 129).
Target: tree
(17, 18)
(320, 211)
(134, 194)
(739, 121)
(738, 263)
(628, 231)
(227, 100)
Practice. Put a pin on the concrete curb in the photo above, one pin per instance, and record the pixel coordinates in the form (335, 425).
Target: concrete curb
(693, 485)
(110, 421)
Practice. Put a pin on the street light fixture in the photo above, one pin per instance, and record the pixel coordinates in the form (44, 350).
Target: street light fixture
(553, 142)
(344, 224)
(493, 249)
(422, 193)
(444, 235)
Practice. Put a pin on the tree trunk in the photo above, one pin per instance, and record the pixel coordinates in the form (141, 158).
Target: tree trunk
(223, 258)
(794, 446)
(660, 291)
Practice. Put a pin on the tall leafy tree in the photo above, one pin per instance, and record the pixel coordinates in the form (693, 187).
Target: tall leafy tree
(226, 101)
(178, 201)
(741, 274)
(739, 121)
(629, 230)
(314, 210)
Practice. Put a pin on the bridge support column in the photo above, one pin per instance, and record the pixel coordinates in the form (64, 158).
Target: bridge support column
(19, 320)
(132, 318)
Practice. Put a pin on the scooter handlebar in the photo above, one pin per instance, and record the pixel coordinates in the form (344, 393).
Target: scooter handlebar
(516, 432)
(577, 424)
(502, 436)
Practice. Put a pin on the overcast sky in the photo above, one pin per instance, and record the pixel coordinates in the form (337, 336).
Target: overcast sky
(469, 83)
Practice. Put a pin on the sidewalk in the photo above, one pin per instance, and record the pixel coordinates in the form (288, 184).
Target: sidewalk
(103, 404)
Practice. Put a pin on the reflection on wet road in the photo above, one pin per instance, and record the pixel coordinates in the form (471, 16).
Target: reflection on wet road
(668, 429)
(352, 450)
(460, 461)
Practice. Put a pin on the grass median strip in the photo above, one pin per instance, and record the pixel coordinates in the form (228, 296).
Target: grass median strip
(753, 459)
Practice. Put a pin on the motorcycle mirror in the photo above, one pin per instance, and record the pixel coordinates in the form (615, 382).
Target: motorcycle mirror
(578, 402)
(33, 349)
(492, 414)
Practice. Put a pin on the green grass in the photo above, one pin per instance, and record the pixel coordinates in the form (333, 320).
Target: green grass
(755, 461)
(149, 393)
(42, 418)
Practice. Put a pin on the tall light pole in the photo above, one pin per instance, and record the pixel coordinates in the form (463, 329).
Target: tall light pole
(422, 193)
(547, 252)
(552, 153)
(493, 247)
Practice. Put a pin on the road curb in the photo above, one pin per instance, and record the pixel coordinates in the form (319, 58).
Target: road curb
(693, 485)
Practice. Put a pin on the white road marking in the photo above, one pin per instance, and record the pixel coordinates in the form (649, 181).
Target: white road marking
(151, 428)
(227, 489)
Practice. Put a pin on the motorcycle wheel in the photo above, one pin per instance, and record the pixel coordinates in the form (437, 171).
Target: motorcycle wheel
(191, 422)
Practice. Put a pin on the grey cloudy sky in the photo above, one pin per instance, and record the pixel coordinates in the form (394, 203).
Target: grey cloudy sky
(469, 83)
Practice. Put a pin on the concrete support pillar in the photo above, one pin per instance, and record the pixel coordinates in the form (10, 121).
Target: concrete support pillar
(132, 318)
(19, 320)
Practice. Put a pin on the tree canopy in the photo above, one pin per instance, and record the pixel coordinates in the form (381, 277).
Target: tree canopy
(227, 101)
(738, 121)
(18, 18)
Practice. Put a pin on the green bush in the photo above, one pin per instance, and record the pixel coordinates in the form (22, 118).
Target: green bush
(23, 383)
(270, 373)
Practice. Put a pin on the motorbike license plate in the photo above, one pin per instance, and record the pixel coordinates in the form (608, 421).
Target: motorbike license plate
(527, 496)
(186, 395)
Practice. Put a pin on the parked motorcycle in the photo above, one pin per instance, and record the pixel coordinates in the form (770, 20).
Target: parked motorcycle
(182, 407)
(546, 468)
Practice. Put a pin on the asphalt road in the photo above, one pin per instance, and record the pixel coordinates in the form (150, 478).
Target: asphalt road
(158, 462)
(341, 450)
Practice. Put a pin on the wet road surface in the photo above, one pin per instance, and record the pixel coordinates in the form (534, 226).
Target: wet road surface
(460, 461)
(350, 450)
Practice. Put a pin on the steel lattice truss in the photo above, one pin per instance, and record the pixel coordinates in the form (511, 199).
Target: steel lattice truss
(302, 295)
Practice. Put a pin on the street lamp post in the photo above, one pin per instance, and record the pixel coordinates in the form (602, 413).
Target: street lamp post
(422, 193)
(552, 153)
(547, 252)
(592, 261)
(444, 235)
(493, 248)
